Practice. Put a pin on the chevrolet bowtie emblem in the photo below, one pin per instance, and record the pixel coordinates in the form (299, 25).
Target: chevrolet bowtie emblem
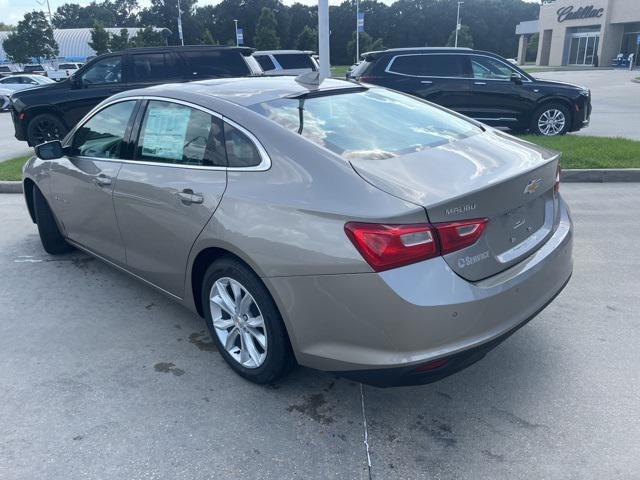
(533, 185)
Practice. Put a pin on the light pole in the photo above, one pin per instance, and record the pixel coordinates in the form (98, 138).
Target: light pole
(323, 38)
(180, 25)
(458, 23)
(357, 30)
(235, 22)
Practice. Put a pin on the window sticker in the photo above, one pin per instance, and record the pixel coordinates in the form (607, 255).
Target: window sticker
(165, 132)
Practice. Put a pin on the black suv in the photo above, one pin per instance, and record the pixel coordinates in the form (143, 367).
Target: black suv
(480, 85)
(49, 112)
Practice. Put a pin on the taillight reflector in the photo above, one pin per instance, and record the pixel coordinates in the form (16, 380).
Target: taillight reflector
(386, 246)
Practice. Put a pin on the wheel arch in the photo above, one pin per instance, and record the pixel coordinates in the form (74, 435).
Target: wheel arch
(27, 188)
(555, 99)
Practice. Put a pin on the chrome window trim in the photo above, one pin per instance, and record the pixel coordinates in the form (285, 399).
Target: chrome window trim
(390, 64)
(265, 159)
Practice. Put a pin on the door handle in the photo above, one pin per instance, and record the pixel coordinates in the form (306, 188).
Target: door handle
(102, 180)
(479, 83)
(428, 82)
(187, 196)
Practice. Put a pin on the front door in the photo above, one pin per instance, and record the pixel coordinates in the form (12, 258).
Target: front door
(165, 197)
(496, 98)
(83, 181)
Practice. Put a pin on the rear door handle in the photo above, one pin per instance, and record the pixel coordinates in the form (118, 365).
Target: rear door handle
(479, 83)
(102, 180)
(187, 196)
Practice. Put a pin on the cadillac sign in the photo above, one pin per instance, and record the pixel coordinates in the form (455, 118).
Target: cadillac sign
(567, 13)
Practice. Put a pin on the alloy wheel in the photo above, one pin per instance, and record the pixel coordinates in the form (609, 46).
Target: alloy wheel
(551, 122)
(238, 322)
(46, 130)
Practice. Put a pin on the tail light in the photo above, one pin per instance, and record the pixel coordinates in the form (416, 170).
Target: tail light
(385, 246)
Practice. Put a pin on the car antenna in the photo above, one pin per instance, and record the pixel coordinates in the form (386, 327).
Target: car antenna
(310, 80)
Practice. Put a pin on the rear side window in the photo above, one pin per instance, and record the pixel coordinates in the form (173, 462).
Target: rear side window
(432, 65)
(241, 151)
(265, 62)
(216, 64)
(174, 133)
(154, 67)
(102, 135)
(294, 60)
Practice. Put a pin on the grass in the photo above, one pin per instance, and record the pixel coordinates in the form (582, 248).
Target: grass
(12, 169)
(339, 71)
(592, 152)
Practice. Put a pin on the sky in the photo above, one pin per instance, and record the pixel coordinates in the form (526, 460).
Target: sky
(15, 9)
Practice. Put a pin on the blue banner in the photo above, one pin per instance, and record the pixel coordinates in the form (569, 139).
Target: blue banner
(240, 37)
(360, 22)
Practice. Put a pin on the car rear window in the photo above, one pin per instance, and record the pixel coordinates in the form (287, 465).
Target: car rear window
(65, 66)
(433, 65)
(5, 69)
(294, 60)
(371, 124)
(265, 62)
(32, 68)
(216, 63)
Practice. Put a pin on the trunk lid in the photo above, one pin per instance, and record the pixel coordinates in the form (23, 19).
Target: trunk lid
(490, 175)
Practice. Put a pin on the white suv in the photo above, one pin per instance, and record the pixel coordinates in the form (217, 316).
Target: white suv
(286, 62)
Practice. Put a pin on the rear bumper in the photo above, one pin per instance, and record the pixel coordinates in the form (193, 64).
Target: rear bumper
(378, 327)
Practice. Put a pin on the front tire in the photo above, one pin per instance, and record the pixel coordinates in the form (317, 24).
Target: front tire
(550, 120)
(50, 236)
(244, 322)
(44, 128)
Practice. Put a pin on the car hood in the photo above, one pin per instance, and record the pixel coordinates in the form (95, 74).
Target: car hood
(64, 85)
(444, 173)
(555, 83)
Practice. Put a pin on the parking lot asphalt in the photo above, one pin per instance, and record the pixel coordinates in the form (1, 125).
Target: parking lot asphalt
(615, 100)
(9, 146)
(103, 378)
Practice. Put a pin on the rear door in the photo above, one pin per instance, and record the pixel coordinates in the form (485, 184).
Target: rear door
(146, 69)
(444, 79)
(167, 194)
(497, 100)
(82, 182)
(202, 64)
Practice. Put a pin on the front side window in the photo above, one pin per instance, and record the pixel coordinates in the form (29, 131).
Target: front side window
(105, 71)
(154, 67)
(102, 136)
(490, 68)
(174, 133)
(431, 65)
(370, 124)
(11, 80)
(294, 61)
(265, 62)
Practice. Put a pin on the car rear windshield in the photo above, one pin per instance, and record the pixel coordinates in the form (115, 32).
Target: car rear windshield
(32, 68)
(294, 60)
(370, 124)
(65, 66)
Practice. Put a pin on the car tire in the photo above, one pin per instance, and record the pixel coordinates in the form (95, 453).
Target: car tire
(276, 359)
(50, 236)
(44, 128)
(551, 119)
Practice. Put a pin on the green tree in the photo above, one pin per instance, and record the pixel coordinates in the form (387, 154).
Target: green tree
(32, 38)
(308, 39)
(266, 37)
(367, 44)
(207, 38)
(99, 38)
(5, 27)
(465, 39)
(148, 37)
(119, 41)
(164, 14)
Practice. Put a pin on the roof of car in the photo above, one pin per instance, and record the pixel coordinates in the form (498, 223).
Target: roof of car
(416, 49)
(282, 52)
(188, 47)
(245, 91)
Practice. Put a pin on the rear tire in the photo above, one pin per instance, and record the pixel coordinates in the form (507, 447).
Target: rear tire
(551, 119)
(50, 236)
(276, 359)
(44, 128)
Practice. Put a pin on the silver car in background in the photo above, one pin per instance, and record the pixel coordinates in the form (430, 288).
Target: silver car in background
(342, 227)
(14, 83)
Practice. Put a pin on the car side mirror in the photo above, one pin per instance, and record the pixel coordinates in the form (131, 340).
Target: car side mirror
(50, 150)
(516, 78)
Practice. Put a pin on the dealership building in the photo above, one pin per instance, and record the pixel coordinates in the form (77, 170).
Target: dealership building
(583, 32)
